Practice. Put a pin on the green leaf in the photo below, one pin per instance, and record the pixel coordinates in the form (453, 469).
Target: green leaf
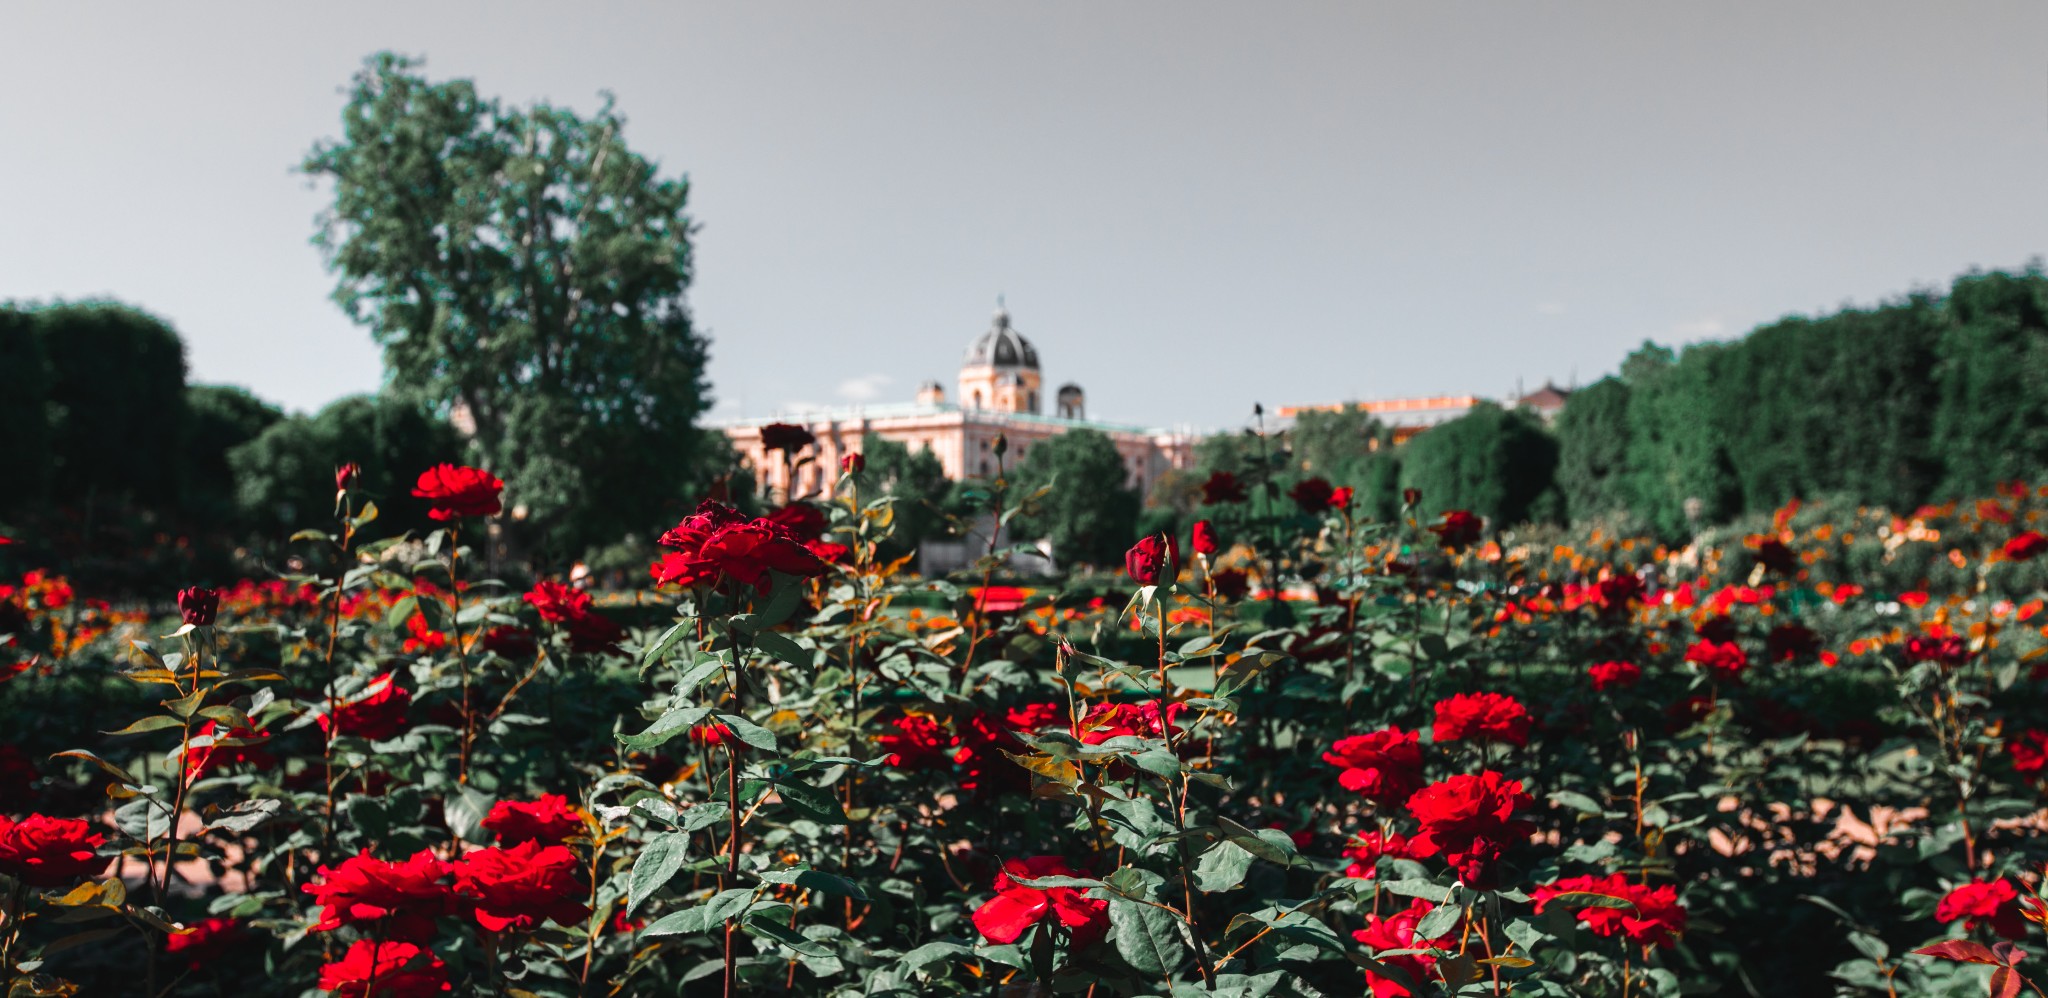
(657, 862)
(785, 935)
(1440, 921)
(780, 646)
(661, 645)
(673, 722)
(749, 732)
(704, 917)
(1222, 867)
(154, 722)
(705, 814)
(464, 810)
(1147, 937)
(815, 880)
(1576, 801)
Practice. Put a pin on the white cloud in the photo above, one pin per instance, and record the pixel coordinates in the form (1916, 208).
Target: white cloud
(865, 388)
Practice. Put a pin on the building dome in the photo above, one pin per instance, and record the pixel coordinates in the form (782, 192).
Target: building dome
(1002, 346)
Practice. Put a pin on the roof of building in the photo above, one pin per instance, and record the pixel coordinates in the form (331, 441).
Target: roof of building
(1002, 346)
(907, 410)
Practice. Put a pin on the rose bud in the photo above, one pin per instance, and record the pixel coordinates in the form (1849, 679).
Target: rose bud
(198, 606)
(1153, 560)
(1204, 537)
(853, 464)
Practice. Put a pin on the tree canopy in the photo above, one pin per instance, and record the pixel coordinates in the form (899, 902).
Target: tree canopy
(524, 265)
(1092, 514)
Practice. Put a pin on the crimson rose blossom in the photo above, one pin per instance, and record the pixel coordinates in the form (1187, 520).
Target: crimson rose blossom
(400, 970)
(1457, 529)
(1105, 721)
(1948, 650)
(919, 742)
(365, 889)
(747, 552)
(1790, 643)
(205, 941)
(786, 437)
(803, 520)
(1016, 907)
(1340, 498)
(1492, 717)
(1384, 766)
(1396, 931)
(2029, 750)
(1608, 675)
(1365, 851)
(516, 889)
(1470, 821)
(1222, 487)
(198, 606)
(41, 851)
(1313, 495)
(557, 603)
(853, 464)
(1995, 904)
(1154, 560)
(1724, 660)
(548, 820)
(455, 492)
(1655, 917)
(2025, 546)
(377, 713)
(1203, 540)
(345, 476)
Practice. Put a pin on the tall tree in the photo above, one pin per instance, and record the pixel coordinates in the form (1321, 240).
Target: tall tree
(1493, 461)
(915, 480)
(1991, 424)
(24, 413)
(525, 265)
(285, 475)
(116, 403)
(220, 418)
(1592, 450)
(1091, 514)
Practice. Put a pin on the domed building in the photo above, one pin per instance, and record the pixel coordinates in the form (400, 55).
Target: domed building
(1000, 392)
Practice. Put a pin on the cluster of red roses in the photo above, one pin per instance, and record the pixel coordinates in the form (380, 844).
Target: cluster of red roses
(1653, 916)
(571, 608)
(529, 878)
(977, 744)
(42, 851)
(1467, 819)
(719, 542)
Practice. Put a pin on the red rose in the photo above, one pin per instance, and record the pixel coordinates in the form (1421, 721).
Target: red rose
(1724, 660)
(708, 518)
(198, 606)
(2029, 750)
(1949, 650)
(919, 741)
(454, 492)
(747, 552)
(1203, 539)
(515, 889)
(676, 568)
(1995, 904)
(804, 521)
(205, 941)
(1492, 717)
(1688, 712)
(377, 713)
(1222, 487)
(1105, 721)
(421, 637)
(853, 464)
(42, 851)
(1313, 495)
(208, 753)
(400, 970)
(1790, 643)
(557, 603)
(548, 820)
(1616, 592)
(1608, 675)
(1775, 556)
(1396, 931)
(714, 733)
(509, 642)
(1470, 821)
(346, 475)
(1231, 583)
(2025, 546)
(1340, 497)
(1365, 851)
(1384, 766)
(1016, 907)
(365, 889)
(1654, 917)
(593, 632)
(786, 437)
(1457, 529)
(828, 552)
(1410, 497)
(1154, 560)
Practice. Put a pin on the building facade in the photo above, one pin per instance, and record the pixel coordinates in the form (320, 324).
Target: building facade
(1000, 392)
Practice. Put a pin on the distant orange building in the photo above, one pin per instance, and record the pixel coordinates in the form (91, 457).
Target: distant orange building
(1000, 391)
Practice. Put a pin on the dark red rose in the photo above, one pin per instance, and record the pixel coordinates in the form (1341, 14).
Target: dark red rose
(1608, 675)
(747, 552)
(1470, 821)
(1995, 904)
(557, 603)
(1204, 538)
(1366, 848)
(507, 641)
(1687, 712)
(2029, 750)
(346, 475)
(1340, 497)
(1312, 495)
(1410, 497)
(1775, 556)
(1396, 931)
(1617, 591)
(853, 464)
(1105, 721)
(517, 888)
(1654, 917)
(198, 605)
(786, 437)
(1457, 529)
(421, 636)
(41, 851)
(804, 521)
(1385, 766)
(1222, 487)
(828, 552)
(2025, 546)
(1948, 650)
(1724, 660)
(17, 774)
(1016, 907)
(1154, 560)
(1231, 583)
(376, 713)
(594, 632)
(708, 518)
(205, 941)
(399, 970)
(548, 821)
(1716, 629)
(208, 751)
(918, 741)
(455, 492)
(404, 897)
(1790, 643)
(1490, 717)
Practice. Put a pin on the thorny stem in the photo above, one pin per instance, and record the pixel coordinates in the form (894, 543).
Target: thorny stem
(1180, 814)
(461, 653)
(988, 567)
(348, 533)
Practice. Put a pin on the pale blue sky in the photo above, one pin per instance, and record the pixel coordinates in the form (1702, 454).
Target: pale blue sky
(1189, 206)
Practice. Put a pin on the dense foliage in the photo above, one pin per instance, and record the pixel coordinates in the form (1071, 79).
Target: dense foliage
(1305, 754)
